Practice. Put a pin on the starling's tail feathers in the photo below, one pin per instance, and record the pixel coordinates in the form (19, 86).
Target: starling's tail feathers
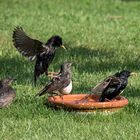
(42, 92)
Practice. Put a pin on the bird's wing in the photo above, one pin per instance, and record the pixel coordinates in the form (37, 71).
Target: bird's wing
(99, 88)
(55, 85)
(113, 86)
(25, 45)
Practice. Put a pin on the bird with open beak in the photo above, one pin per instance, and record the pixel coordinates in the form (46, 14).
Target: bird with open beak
(7, 93)
(113, 85)
(61, 84)
(43, 53)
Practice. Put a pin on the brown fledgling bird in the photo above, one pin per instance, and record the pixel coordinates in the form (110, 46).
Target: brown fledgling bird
(43, 53)
(7, 93)
(61, 84)
(113, 85)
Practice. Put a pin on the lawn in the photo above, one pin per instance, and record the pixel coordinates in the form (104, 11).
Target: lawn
(101, 37)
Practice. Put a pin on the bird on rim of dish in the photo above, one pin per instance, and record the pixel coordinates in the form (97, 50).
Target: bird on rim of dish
(43, 53)
(60, 84)
(113, 85)
(7, 93)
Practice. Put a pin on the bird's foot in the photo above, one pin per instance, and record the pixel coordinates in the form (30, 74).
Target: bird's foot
(53, 74)
(52, 97)
(61, 96)
(107, 100)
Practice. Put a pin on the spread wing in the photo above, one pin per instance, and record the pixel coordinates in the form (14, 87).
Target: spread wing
(25, 45)
(99, 88)
(55, 85)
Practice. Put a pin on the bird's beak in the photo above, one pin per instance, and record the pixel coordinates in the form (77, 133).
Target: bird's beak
(133, 74)
(63, 47)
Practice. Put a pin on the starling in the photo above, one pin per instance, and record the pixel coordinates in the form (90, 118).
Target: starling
(7, 93)
(43, 53)
(113, 85)
(61, 84)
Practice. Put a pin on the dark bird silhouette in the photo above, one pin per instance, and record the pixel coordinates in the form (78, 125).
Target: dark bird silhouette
(62, 84)
(7, 93)
(113, 85)
(43, 53)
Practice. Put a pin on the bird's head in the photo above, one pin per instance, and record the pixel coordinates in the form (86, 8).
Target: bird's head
(125, 73)
(66, 67)
(55, 41)
(6, 81)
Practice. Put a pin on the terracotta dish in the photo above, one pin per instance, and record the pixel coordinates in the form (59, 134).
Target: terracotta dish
(83, 102)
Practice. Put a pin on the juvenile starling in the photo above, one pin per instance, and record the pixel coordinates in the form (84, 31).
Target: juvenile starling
(7, 93)
(113, 85)
(62, 84)
(43, 53)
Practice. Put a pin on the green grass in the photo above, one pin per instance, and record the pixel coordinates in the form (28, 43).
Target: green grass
(98, 46)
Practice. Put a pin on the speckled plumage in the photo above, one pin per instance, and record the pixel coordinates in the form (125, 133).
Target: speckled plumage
(43, 53)
(7, 93)
(59, 83)
(112, 86)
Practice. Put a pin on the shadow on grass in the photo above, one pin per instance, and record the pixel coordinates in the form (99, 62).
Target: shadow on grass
(96, 60)
(85, 59)
(17, 68)
(20, 68)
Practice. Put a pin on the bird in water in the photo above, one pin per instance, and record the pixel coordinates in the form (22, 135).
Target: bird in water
(7, 93)
(60, 84)
(43, 53)
(113, 85)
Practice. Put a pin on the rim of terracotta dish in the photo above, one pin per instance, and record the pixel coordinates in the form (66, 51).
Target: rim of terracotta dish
(74, 101)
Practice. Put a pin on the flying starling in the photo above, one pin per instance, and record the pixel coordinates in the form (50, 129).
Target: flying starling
(7, 93)
(62, 84)
(113, 85)
(43, 53)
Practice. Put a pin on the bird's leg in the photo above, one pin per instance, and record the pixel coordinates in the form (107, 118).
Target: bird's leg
(101, 99)
(52, 97)
(60, 94)
(52, 74)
